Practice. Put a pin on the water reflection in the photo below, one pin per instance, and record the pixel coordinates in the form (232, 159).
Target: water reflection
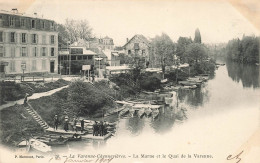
(247, 74)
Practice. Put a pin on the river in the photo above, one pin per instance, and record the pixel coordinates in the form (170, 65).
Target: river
(221, 116)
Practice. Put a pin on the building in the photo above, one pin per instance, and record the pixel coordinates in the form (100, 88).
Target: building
(28, 44)
(112, 57)
(138, 47)
(72, 59)
(105, 43)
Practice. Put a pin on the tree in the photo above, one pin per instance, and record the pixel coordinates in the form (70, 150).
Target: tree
(181, 46)
(197, 38)
(195, 53)
(163, 50)
(63, 35)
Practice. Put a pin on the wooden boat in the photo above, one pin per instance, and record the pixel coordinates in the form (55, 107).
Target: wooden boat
(189, 87)
(39, 146)
(23, 146)
(187, 83)
(148, 111)
(140, 112)
(75, 138)
(124, 112)
(90, 136)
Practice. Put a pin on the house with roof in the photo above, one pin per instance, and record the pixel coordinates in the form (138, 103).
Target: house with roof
(138, 46)
(112, 57)
(72, 59)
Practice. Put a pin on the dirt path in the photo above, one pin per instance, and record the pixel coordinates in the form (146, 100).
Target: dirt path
(34, 96)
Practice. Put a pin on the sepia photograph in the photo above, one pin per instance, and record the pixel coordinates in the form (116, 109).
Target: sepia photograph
(129, 81)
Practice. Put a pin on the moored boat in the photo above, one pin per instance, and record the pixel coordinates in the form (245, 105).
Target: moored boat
(148, 111)
(155, 113)
(140, 112)
(39, 146)
(23, 146)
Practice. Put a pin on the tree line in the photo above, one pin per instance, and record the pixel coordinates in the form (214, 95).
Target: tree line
(245, 50)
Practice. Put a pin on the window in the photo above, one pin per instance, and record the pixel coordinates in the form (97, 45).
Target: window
(24, 52)
(129, 51)
(52, 51)
(90, 57)
(33, 65)
(12, 35)
(2, 51)
(12, 66)
(22, 22)
(33, 23)
(35, 51)
(34, 38)
(43, 64)
(143, 51)
(136, 46)
(136, 51)
(23, 37)
(52, 25)
(1, 36)
(42, 24)
(12, 20)
(23, 65)
(1, 20)
(52, 39)
(43, 39)
(12, 52)
(44, 51)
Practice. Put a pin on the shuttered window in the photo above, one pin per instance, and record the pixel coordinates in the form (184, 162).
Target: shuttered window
(12, 52)
(43, 39)
(12, 66)
(22, 22)
(43, 64)
(43, 51)
(12, 37)
(33, 23)
(24, 38)
(34, 51)
(2, 51)
(1, 36)
(33, 65)
(52, 51)
(12, 21)
(52, 39)
(34, 38)
(24, 52)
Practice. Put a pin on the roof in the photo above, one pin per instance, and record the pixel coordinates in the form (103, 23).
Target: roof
(109, 53)
(114, 68)
(79, 43)
(146, 41)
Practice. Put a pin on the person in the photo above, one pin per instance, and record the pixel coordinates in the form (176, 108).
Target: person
(101, 128)
(56, 122)
(82, 125)
(25, 99)
(105, 127)
(95, 129)
(66, 123)
(75, 120)
(93, 78)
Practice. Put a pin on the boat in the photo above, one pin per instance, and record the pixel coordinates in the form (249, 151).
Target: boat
(155, 113)
(140, 112)
(23, 146)
(188, 83)
(39, 146)
(75, 137)
(189, 87)
(90, 136)
(147, 111)
(124, 112)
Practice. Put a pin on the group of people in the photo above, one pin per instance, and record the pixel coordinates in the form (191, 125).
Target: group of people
(100, 129)
(66, 123)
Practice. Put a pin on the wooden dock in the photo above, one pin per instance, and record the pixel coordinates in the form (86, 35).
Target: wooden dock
(90, 136)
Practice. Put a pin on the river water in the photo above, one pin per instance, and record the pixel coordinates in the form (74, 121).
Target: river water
(221, 116)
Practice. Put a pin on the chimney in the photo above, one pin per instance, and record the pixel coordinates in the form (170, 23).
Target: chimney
(127, 40)
(14, 10)
(35, 14)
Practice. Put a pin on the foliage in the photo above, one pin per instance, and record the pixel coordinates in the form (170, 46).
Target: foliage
(181, 46)
(149, 82)
(195, 53)
(163, 50)
(73, 30)
(197, 38)
(125, 59)
(243, 51)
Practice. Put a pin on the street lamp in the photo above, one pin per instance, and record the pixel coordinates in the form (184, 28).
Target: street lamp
(99, 59)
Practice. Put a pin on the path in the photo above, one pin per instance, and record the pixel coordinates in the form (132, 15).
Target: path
(34, 96)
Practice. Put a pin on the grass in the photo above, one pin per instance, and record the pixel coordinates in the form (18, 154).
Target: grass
(16, 124)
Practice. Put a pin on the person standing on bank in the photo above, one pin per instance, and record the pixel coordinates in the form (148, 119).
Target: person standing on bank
(56, 122)
(66, 123)
(82, 125)
(25, 99)
(95, 129)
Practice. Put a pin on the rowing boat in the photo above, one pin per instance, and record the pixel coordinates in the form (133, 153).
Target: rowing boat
(39, 146)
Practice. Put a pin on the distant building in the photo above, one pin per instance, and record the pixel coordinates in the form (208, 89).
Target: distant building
(139, 47)
(72, 59)
(112, 57)
(105, 43)
(27, 43)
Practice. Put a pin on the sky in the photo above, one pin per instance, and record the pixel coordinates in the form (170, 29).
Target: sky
(217, 21)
